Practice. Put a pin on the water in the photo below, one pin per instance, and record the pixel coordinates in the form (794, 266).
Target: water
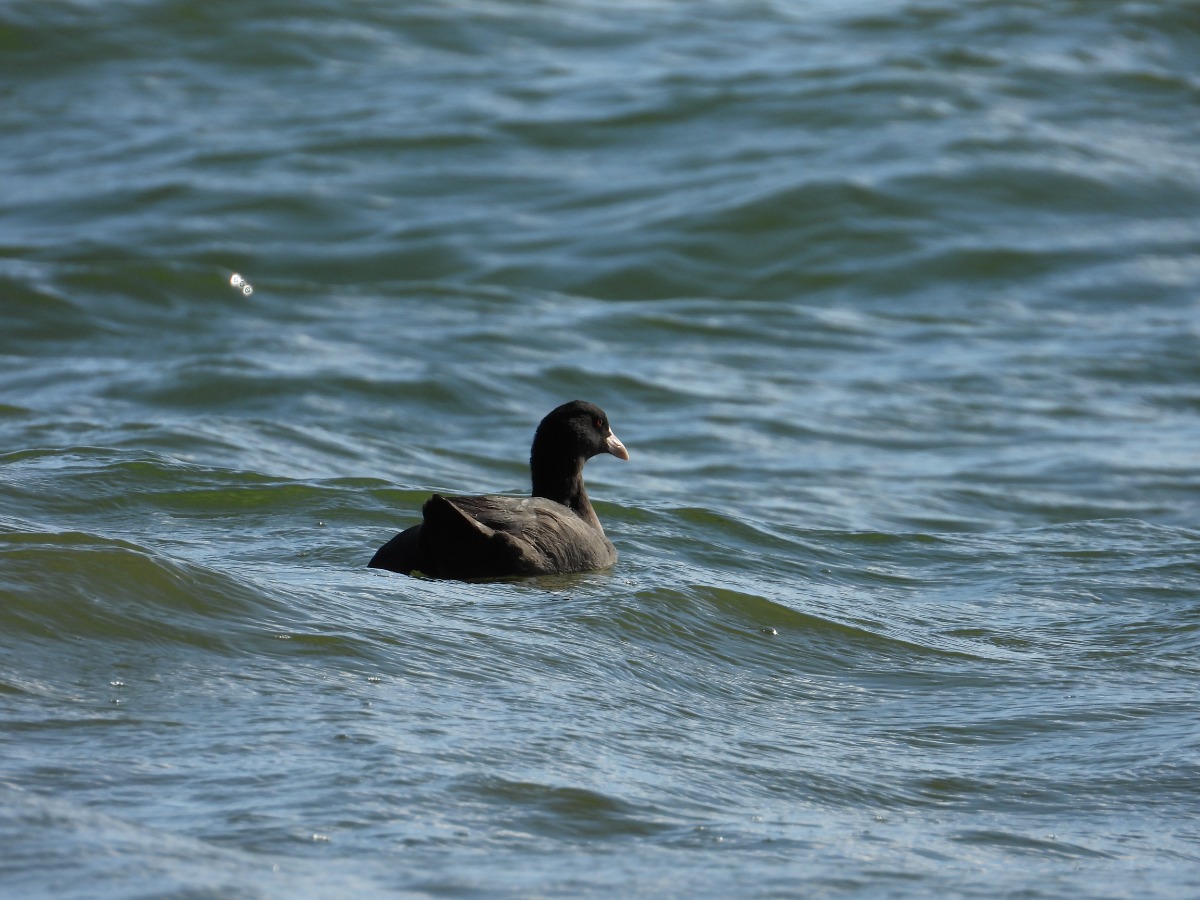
(895, 305)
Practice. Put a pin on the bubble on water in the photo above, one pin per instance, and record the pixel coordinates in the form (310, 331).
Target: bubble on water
(237, 281)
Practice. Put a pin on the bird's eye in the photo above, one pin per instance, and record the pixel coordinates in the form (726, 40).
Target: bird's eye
(599, 423)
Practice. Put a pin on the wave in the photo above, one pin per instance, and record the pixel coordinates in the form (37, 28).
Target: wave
(76, 588)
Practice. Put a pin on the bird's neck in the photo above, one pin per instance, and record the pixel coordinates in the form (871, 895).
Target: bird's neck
(563, 483)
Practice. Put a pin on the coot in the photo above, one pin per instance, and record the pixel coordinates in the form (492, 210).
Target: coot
(553, 531)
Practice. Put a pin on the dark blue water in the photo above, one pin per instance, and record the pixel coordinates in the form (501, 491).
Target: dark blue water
(895, 305)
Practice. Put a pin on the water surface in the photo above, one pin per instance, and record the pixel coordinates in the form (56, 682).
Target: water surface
(894, 305)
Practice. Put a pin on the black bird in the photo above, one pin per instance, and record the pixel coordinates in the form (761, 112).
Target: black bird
(553, 531)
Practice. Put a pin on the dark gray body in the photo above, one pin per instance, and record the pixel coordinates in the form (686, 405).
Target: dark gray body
(491, 537)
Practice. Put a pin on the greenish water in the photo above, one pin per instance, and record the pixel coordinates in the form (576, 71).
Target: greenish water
(894, 304)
